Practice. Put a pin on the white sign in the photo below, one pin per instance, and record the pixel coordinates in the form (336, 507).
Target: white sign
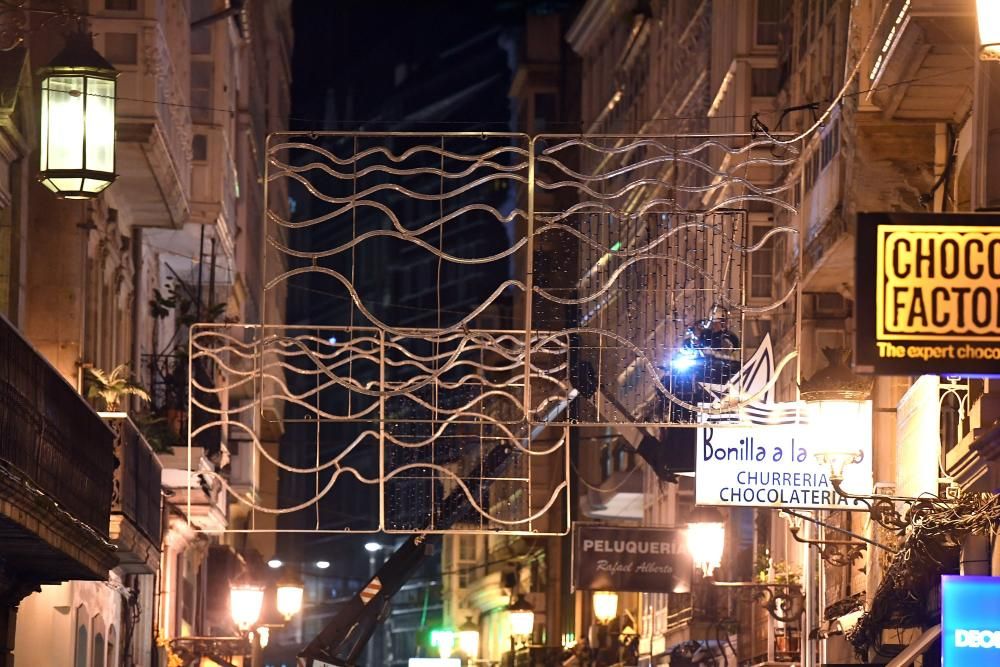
(773, 466)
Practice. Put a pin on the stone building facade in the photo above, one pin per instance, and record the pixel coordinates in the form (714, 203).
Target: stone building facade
(118, 280)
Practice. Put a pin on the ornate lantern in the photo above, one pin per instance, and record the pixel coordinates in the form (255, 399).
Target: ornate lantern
(77, 151)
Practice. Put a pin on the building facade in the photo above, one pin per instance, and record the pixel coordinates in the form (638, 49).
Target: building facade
(893, 109)
(118, 280)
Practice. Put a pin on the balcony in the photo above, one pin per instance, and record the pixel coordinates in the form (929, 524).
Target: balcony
(922, 62)
(56, 471)
(149, 46)
(135, 501)
(196, 490)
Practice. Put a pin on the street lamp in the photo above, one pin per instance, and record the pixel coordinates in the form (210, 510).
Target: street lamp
(245, 602)
(77, 149)
(840, 414)
(522, 619)
(988, 12)
(605, 606)
(468, 639)
(289, 596)
(706, 539)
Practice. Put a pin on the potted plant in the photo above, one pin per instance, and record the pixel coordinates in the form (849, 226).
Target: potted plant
(112, 387)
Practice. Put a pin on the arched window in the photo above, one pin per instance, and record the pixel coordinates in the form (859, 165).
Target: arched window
(97, 652)
(98, 649)
(82, 645)
(112, 654)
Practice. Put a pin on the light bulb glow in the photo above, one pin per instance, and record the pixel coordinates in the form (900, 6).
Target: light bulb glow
(245, 602)
(322, 564)
(289, 600)
(685, 359)
(274, 563)
(988, 13)
(605, 606)
(264, 636)
(522, 619)
(841, 430)
(706, 540)
(468, 640)
(444, 640)
(372, 547)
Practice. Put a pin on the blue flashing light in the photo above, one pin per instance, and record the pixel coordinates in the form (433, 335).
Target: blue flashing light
(332, 340)
(685, 359)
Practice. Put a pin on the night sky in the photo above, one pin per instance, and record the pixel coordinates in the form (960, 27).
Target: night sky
(350, 52)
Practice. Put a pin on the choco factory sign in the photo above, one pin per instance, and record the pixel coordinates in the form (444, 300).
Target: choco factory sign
(928, 293)
(629, 558)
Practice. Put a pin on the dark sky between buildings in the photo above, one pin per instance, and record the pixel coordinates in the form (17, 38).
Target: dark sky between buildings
(353, 53)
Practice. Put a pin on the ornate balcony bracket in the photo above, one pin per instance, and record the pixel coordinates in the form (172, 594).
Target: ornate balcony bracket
(884, 510)
(783, 602)
(841, 553)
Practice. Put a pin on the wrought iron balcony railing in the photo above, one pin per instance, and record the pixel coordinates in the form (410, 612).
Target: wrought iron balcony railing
(136, 491)
(51, 436)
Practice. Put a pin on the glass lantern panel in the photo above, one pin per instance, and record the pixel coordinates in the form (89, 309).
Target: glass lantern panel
(100, 125)
(94, 185)
(65, 184)
(62, 123)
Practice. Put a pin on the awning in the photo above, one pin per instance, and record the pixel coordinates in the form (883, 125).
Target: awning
(916, 649)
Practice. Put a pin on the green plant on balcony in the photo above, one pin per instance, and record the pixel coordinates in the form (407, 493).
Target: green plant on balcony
(159, 433)
(113, 387)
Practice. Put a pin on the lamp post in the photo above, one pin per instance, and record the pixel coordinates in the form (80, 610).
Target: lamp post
(77, 148)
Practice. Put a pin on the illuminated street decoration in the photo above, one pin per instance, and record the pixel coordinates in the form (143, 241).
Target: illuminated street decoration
(639, 237)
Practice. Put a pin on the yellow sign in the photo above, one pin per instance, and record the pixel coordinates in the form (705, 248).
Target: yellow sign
(937, 283)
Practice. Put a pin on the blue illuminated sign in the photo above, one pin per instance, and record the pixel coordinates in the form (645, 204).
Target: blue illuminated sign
(970, 621)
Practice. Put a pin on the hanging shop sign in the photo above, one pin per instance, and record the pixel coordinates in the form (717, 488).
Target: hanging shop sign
(775, 466)
(970, 621)
(928, 294)
(629, 558)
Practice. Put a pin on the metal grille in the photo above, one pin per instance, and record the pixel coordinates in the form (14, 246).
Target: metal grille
(471, 296)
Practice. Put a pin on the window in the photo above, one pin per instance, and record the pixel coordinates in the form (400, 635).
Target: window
(467, 547)
(769, 17)
(121, 48)
(112, 647)
(199, 147)
(761, 263)
(201, 41)
(82, 645)
(201, 91)
(99, 647)
(121, 5)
